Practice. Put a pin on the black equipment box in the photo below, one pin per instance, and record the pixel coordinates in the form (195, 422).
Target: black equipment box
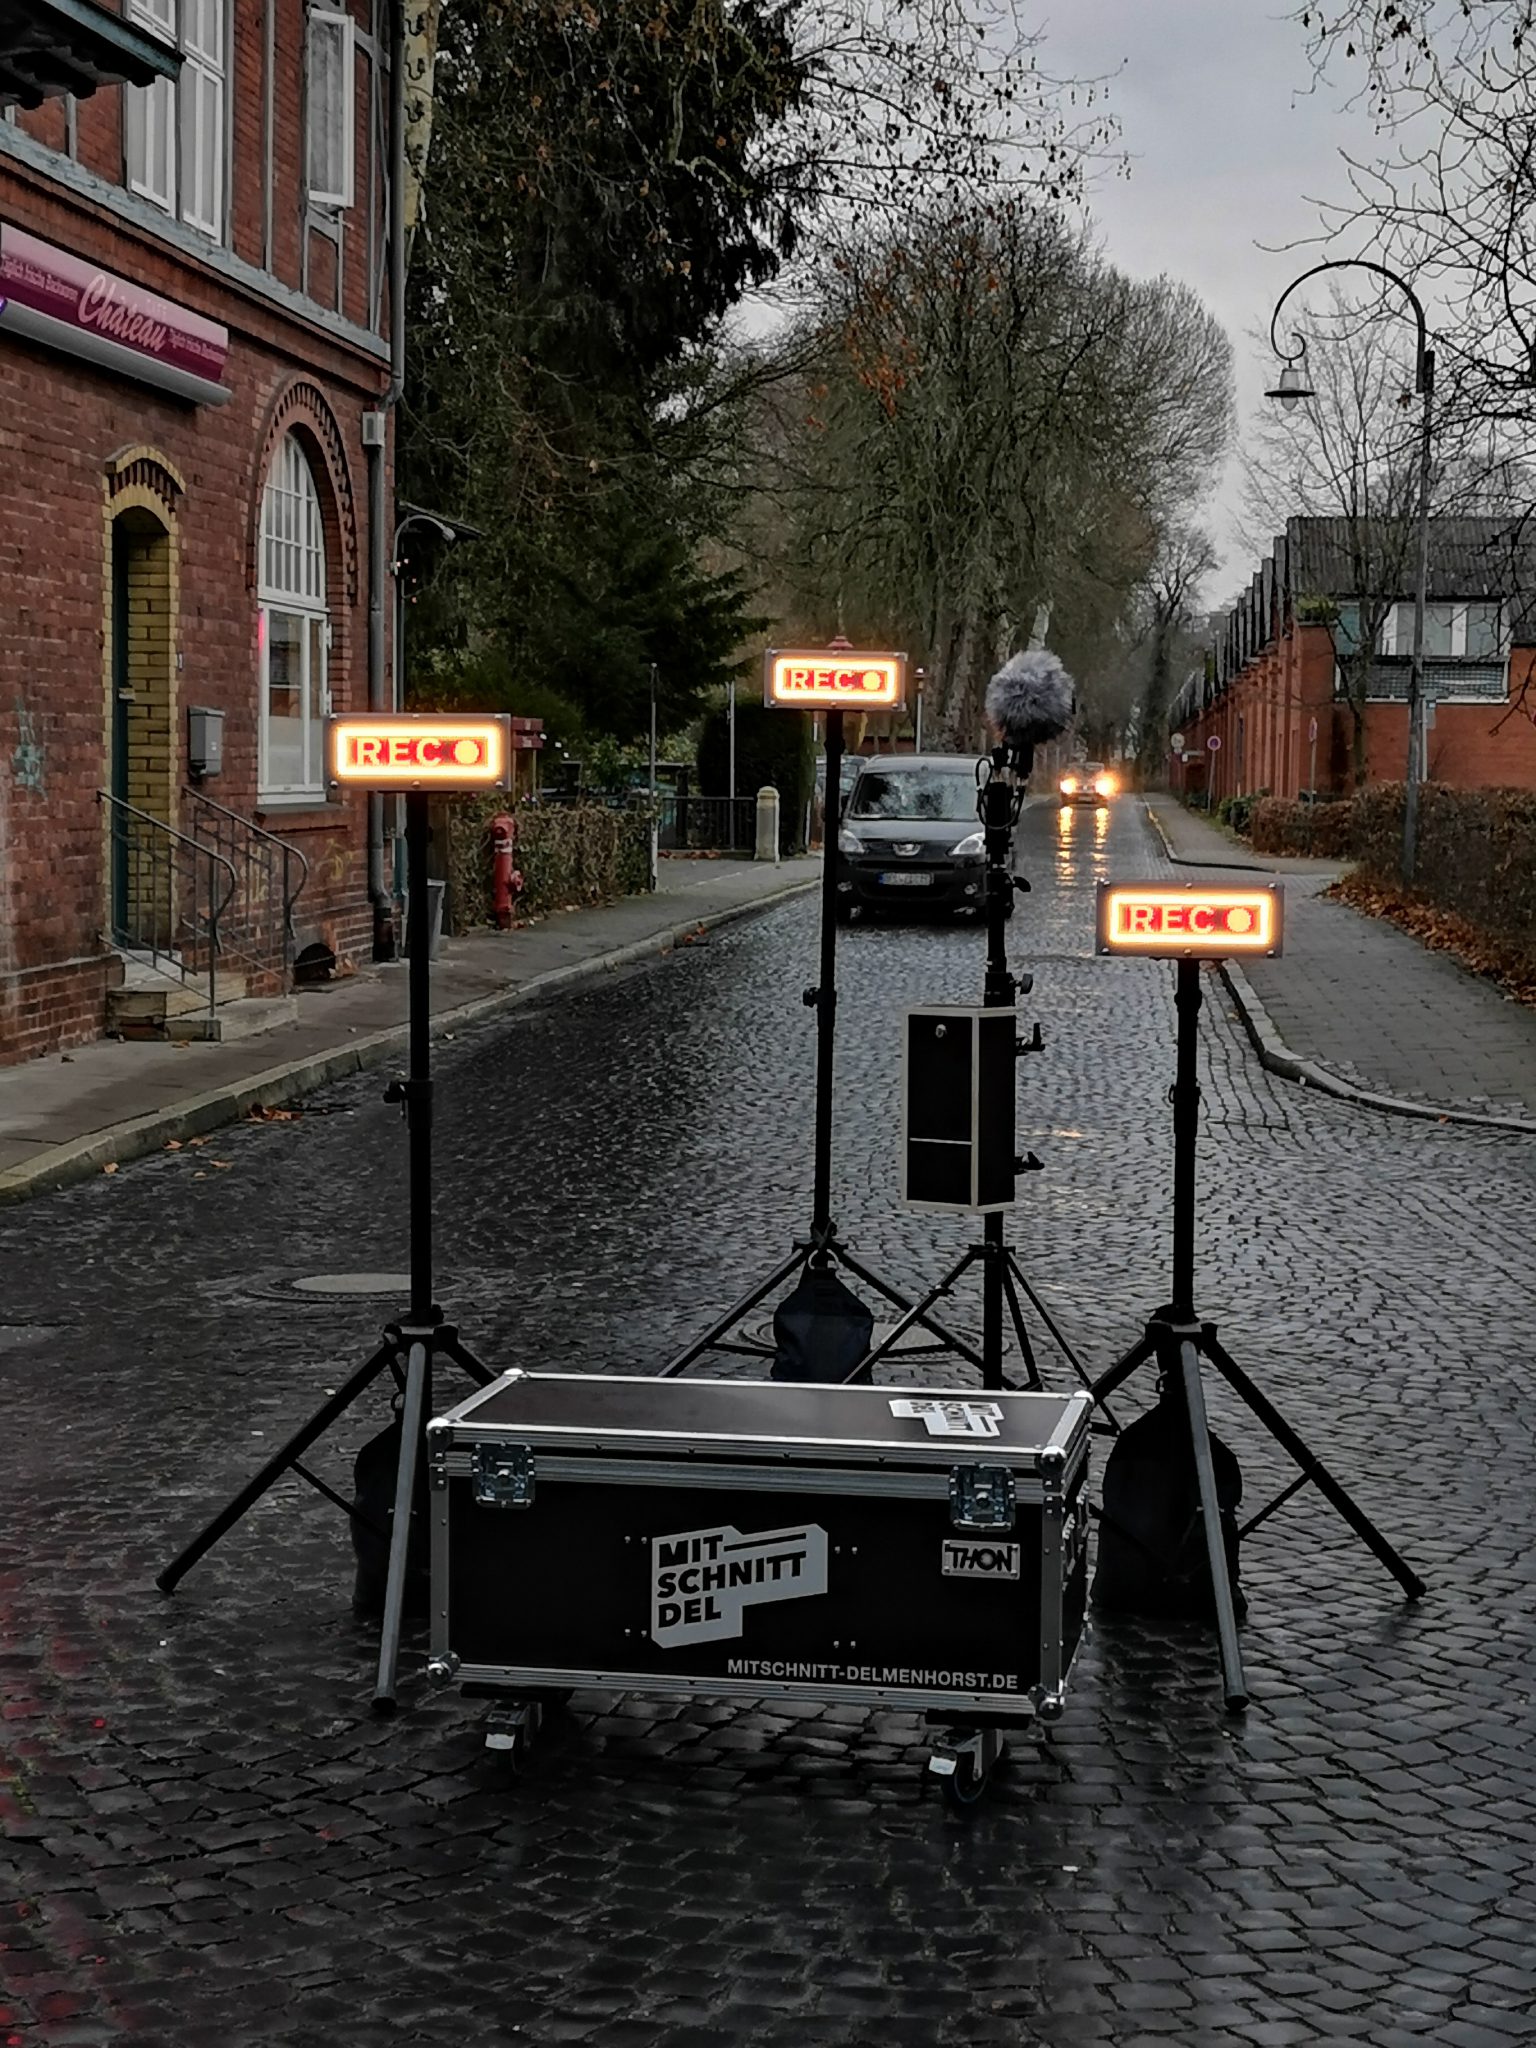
(877, 1545)
(959, 1083)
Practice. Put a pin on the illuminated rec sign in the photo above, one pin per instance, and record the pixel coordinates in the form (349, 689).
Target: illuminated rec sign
(1187, 920)
(834, 679)
(418, 750)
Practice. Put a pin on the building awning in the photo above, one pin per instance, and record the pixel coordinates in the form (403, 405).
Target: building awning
(52, 47)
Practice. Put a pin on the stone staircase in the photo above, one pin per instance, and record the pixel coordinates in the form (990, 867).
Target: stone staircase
(205, 917)
(153, 1003)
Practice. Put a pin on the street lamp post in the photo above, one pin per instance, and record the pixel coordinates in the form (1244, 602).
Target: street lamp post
(1290, 391)
(655, 833)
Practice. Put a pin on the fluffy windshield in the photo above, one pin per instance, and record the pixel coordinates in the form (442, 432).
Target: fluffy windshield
(948, 793)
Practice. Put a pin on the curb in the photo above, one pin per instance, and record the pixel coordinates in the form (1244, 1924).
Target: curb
(1276, 1056)
(196, 1115)
(1245, 867)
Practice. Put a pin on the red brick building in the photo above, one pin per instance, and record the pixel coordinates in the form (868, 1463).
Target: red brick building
(195, 448)
(1272, 696)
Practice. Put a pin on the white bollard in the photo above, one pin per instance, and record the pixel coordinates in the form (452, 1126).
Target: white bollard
(767, 824)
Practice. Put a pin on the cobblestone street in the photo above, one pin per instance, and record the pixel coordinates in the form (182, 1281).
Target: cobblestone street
(210, 1842)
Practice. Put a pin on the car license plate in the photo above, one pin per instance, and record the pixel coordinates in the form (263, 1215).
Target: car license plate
(908, 878)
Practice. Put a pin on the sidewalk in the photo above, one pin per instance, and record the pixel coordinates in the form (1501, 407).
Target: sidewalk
(65, 1116)
(1359, 1007)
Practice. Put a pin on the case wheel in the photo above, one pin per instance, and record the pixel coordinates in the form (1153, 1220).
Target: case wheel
(509, 1733)
(964, 1767)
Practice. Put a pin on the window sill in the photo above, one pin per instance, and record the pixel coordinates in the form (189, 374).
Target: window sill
(313, 813)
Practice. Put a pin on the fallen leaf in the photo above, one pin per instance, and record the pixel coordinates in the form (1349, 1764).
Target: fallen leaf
(110, 1167)
(221, 1162)
(173, 1144)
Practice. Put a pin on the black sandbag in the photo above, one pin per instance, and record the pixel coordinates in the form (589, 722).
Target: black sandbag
(821, 1330)
(1151, 1554)
(375, 1474)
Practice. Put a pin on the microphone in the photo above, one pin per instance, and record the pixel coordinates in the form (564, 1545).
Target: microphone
(1030, 699)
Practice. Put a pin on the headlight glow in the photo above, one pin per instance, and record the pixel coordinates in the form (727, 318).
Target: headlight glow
(1104, 785)
(1069, 785)
(974, 842)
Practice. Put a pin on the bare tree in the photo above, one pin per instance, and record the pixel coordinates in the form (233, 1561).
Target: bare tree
(1452, 87)
(998, 420)
(1186, 556)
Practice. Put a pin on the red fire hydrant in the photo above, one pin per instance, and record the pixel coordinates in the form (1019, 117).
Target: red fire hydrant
(506, 882)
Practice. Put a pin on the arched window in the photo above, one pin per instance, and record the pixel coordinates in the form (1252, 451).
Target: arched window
(294, 629)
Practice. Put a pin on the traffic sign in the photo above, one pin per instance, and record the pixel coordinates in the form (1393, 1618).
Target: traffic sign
(1311, 728)
(1177, 743)
(418, 750)
(1191, 920)
(1214, 743)
(834, 679)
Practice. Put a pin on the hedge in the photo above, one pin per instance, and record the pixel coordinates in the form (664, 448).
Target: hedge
(570, 855)
(1476, 852)
(1277, 825)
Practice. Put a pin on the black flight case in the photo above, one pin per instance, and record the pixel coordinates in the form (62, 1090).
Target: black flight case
(740, 1539)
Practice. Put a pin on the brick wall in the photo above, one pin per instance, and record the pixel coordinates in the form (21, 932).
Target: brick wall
(1263, 718)
(81, 448)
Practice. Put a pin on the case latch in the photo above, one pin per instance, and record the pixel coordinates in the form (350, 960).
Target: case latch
(502, 1475)
(981, 1497)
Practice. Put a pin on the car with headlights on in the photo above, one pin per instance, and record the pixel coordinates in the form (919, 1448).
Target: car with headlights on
(1092, 783)
(911, 837)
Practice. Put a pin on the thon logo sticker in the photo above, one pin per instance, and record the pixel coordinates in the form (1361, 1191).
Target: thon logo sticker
(703, 1580)
(964, 1558)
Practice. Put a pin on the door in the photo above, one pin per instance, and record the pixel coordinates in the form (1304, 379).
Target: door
(117, 766)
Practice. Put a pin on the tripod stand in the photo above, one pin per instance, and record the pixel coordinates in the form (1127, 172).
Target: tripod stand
(1177, 1338)
(822, 1248)
(409, 1348)
(1000, 800)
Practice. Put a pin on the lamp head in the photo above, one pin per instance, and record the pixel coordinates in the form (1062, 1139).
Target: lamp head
(1292, 388)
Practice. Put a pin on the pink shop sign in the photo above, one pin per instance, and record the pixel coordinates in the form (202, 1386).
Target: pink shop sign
(78, 294)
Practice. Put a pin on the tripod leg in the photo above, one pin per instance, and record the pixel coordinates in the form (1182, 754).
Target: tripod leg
(466, 1361)
(412, 1423)
(1234, 1684)
(1312, 1467)
(275, 1467)
(1116, 1375)
(1026, 1350)
(1085, 1378)
(954, 1343)
(733, 1315)
(915, 1314)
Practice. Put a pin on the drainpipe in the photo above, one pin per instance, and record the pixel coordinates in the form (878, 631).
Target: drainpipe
(375, 442)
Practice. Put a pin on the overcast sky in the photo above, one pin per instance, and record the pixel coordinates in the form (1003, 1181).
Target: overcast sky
(1231, 148)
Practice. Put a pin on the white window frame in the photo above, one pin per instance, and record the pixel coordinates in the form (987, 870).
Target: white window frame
(1397, 629)
(292, 582)
(176, 136)
(336, 194)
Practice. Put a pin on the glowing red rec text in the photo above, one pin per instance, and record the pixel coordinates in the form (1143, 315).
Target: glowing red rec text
(414, 750)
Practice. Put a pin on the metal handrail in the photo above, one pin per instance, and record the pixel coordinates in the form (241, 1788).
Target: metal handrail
(162, 834)
(273, 841)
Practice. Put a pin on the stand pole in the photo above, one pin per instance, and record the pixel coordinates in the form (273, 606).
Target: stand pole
(418, 1088)
(1186, 1132)
(825, 995)
(1000, 991)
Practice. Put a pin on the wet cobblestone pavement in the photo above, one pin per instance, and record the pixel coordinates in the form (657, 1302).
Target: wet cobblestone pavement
(208, 1839)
